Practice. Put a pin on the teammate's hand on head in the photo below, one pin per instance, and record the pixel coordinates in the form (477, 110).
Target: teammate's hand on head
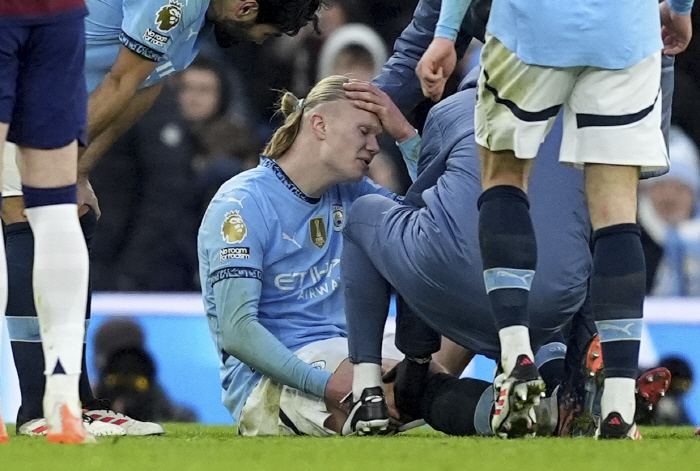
(436, 66)
(676, 30)
(368, 97)
(86, 197)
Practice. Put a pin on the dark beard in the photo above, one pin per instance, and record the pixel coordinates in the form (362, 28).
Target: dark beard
(229, 32)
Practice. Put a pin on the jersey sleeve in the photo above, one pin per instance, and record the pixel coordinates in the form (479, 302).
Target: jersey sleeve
(451, 15)
(410, 150)
(150, 27)
(682, 7)
(236, 238)
(246, 339)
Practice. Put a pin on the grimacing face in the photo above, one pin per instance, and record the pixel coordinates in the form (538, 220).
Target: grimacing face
(351, 140)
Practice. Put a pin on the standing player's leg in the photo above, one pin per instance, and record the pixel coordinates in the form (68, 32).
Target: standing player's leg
(613, 126)
(3, 280)
(516, 108)
(367, 295)
(53, 66)
(10, 42)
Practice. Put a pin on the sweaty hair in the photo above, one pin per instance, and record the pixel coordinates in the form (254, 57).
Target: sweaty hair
(289, 16)
(292, 108)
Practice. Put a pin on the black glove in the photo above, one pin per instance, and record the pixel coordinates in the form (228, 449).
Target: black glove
(410, 377)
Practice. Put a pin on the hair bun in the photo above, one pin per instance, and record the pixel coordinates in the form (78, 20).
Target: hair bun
(288, 103)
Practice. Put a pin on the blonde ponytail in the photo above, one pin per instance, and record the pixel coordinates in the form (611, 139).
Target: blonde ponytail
(292, 108)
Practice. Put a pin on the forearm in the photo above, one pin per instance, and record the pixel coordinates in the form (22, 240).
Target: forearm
(398, 78)
(246, 339)
(451, 15)
(141, 101)
(107, 101)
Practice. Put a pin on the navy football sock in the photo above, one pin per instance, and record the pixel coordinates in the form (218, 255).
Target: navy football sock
(23, 322)
(508, 251)
(452, 405)
(414, 338)
(617, 291)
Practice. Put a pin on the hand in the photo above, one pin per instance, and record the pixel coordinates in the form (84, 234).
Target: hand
(370, 98)
(86, 197)
(436, 66)
(410, 379)
(676, 30)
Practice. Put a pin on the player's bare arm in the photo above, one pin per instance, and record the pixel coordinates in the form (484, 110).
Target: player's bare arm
(676, 30)
(133, 109)
(116, 90)
(436, 66)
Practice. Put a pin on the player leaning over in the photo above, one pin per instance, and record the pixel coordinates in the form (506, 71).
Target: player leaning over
(601, 62)
(131, 45)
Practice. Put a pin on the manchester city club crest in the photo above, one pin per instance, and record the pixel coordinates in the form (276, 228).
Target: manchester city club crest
(168, 16)
(338, 218)
(317, 230)
(233, 229)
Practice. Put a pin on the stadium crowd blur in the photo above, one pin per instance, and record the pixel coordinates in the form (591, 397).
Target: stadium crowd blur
(212, 120)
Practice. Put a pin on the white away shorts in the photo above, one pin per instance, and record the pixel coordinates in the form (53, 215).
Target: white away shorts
(11, 182)
(274, 409)
(610, 116)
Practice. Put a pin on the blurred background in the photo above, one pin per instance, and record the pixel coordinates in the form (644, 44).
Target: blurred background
(148, 337)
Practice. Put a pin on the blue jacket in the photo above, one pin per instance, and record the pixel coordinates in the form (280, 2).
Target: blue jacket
(398, 78)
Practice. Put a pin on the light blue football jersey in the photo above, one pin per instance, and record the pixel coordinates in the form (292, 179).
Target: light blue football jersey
(169, 32)
(611, 34)
(260, 225)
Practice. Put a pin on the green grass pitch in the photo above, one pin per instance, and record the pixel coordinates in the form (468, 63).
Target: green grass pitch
(219, 448)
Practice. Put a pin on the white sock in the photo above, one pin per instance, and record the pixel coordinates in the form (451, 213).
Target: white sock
(365, 375)
(60, 294)
(515, 341)
(618, 396)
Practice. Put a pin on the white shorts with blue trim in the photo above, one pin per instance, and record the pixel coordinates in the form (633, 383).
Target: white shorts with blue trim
(610, 116)
(11, 182)
(275, 409)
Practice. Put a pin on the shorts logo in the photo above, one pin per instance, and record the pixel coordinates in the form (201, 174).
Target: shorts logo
(233, 230)
(234, 253)
(338, 218)
(317, 230)
(319, 364)
(168, 16)
(154, 38)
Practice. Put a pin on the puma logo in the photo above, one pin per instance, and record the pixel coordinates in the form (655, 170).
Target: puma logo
(239, 201)
(507, 274)
(286, 237)
(625, 330)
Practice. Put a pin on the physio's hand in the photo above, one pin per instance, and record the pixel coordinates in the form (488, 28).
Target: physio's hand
(409, 379)
(676, 30)
(86, 197)
(436, 66)
(368, 97)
